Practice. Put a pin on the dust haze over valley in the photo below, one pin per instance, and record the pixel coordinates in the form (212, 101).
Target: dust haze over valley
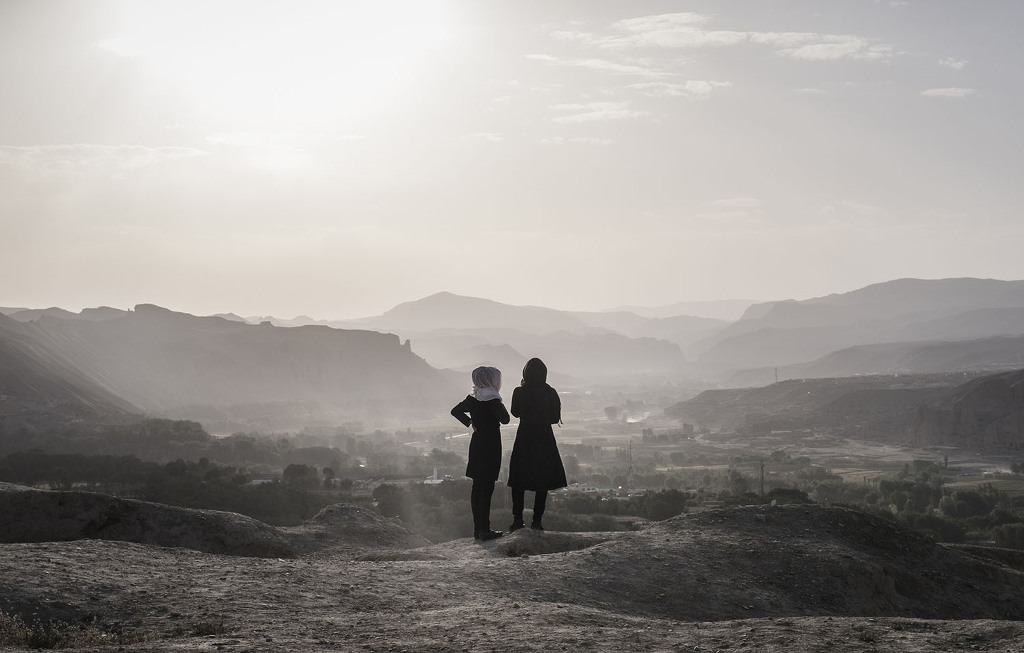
(252, 251)
(673, 450)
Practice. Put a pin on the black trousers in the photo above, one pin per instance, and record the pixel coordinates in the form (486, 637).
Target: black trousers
(480, 501)
(540, 497)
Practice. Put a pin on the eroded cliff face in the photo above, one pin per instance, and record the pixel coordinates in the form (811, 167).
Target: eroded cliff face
(987, 413)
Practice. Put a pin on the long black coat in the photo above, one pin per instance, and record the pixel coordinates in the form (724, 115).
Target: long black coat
(536, 464)
(486, 417)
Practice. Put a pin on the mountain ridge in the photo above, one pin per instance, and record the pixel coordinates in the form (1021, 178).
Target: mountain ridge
(795, 332)
(179, 365)
(39, 388)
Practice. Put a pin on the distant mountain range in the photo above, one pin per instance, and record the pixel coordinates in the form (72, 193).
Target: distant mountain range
(901, 326)
(728, 310)
(225, 373)
(456, 332)
(908, 325)
(231, 370)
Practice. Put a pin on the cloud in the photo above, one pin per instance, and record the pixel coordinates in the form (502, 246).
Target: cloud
(84, 157)
(955, 64)
(617, 68)
(659, 83)
(698, 89)
(248, 139)
(597, 112)
(832, 48)
(689, 30)
(810, 91)
(493, 137)
(275, 140)
(638, 68)
(948, 92)
(679, 30)
(585, 140)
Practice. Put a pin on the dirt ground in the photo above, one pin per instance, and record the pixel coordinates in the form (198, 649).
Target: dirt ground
(751, 579)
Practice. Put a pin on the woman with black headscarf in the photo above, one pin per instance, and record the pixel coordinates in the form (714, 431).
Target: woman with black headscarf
(535, 463)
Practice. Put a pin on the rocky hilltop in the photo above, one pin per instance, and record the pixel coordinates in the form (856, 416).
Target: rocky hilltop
(751, 579)
(33, 515)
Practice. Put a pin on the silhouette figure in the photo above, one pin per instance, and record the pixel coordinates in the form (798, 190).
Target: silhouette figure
(535, 463)
(484, 412)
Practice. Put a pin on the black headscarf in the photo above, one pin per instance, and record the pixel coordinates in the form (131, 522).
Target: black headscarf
(535, 372)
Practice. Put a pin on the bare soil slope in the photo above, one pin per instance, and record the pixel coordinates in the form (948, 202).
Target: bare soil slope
(33, 515)
(757, 579)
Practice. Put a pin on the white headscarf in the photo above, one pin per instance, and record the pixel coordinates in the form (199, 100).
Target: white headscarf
(486, 383)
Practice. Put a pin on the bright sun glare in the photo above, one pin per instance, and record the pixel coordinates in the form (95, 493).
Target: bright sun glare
(283, 66)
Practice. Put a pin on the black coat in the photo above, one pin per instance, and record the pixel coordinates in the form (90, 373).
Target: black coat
(536, 464)
(486, 418)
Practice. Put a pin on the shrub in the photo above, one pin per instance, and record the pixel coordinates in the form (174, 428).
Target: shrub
(1010, 536)
(39, 634)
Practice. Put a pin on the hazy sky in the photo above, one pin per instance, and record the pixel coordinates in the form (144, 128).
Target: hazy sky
(335, 158)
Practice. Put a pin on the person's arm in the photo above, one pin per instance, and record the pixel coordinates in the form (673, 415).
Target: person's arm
(556, 407)
(516, 407)
(459, 413)
(501, 413)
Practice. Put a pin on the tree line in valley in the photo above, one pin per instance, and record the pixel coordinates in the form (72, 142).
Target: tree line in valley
(286, 480)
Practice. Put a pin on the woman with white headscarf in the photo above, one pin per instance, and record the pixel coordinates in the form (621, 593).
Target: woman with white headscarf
(484, 412)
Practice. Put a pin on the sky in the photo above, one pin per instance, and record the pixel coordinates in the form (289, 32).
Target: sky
(336, 158)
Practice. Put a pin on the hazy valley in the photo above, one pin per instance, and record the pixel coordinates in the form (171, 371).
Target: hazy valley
(842, 472)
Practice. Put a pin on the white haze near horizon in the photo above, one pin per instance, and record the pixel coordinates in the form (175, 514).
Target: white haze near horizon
(336, 158)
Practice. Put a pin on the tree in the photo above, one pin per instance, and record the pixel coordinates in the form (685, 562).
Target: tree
(784, 495)
(780, 456)
(572, 466)
(969, 503)
(1010, 536)
(301, 476)
(738, 484)
(391, 500)
(665, 504)
(447, 460)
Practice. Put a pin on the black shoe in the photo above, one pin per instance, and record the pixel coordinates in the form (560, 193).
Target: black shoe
(535, 525)
(476, 535)
(516, 525)
(488, 535)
